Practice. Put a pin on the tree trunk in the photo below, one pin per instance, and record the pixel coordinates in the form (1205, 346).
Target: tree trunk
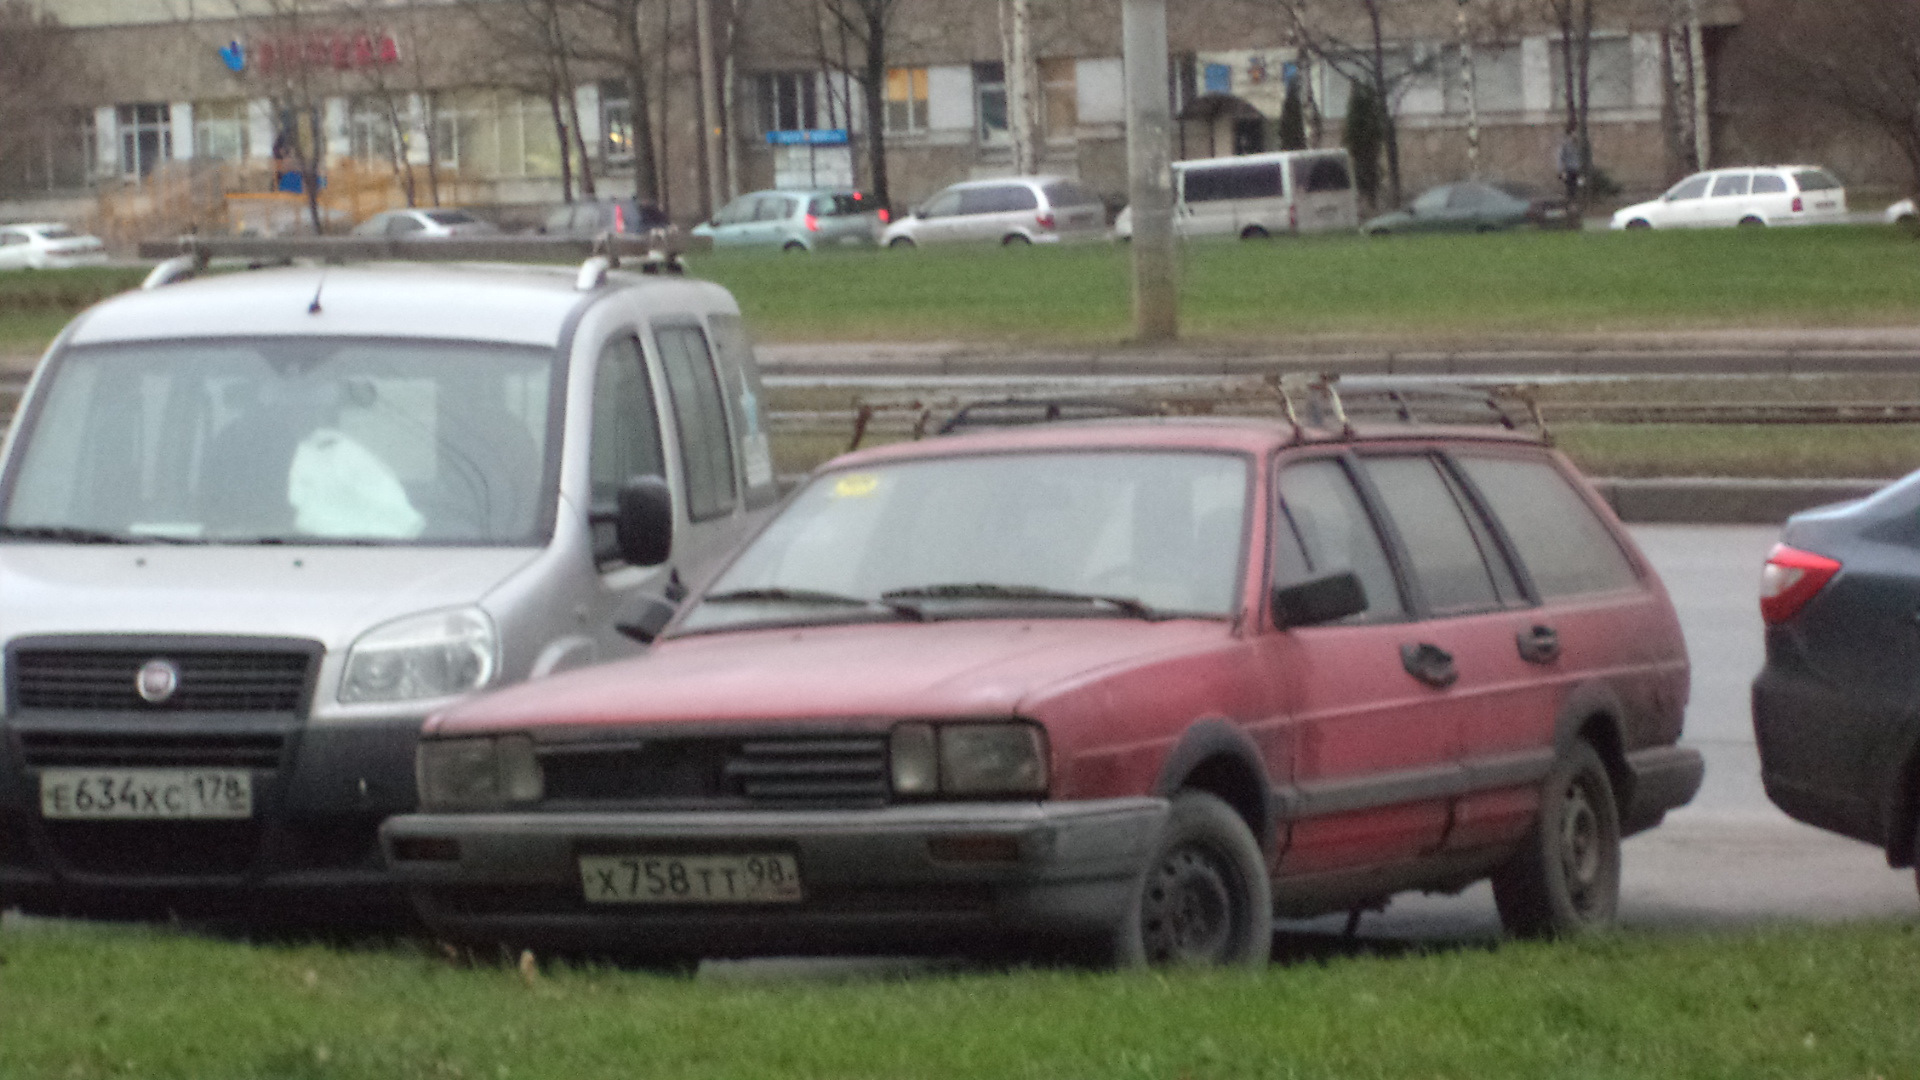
(639, 115)
(565, 140)
(874, 83)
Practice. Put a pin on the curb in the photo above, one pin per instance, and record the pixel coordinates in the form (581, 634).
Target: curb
(1724, 500)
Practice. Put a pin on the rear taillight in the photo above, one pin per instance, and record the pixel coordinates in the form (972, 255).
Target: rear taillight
(1798, 206)
(1790, 579)
(886, 216)
(1044, 220)
(619, 218)
(813, 223)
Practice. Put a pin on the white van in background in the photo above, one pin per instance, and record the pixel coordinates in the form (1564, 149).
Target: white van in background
(1260, 195)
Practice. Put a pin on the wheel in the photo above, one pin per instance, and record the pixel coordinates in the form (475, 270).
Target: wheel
(1565, 879)
(1639, 223)
(1751, 222)
(1205, 897)
(795, 246)
(1253, 232)
(900, 242)
(1016, 240)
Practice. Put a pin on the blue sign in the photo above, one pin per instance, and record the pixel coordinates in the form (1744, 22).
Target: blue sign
(812, 137)
(1218, 79)
(234, 55)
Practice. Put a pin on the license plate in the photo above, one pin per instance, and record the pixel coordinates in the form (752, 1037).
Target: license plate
(690, 879)
(146, 794)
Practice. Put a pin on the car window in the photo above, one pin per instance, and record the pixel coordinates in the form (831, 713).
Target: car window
(1690, 188)
(1322, 174)
(56, 232)
(747, 403)
(8, 237)
(1324, 528)
(771, 208)
(1815, 180)
(1449, 562)
(842, 204)
(648, 216)
(1467, 197)
(1731, 184)
(402, 224)
(1769, 184)
(706, 454)
(945, 204)
(1432, 202)
(737, 211)
(1067, 193)
(1219, 182)
(1564, 545)
(625, 441)
(450, 217)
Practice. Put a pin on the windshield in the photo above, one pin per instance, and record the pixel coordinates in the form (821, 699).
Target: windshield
(295, 440)
(56, 232)
(1123, 534)
(450, 217)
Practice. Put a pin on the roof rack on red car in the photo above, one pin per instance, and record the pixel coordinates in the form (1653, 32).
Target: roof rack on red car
(1320, 401)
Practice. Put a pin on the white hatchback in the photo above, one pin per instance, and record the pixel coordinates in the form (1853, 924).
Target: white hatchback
(45, 245)
(1751, 195)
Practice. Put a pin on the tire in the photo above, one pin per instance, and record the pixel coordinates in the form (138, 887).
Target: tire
(796, 247)
(1254, 232)
(900, 243)
(1016, 240)
(1205, 897)
(1565, 879)
(1639, 223)
(1752, 223)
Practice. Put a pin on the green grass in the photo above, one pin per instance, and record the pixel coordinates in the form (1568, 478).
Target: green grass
(1774, 451)
(91, 1004)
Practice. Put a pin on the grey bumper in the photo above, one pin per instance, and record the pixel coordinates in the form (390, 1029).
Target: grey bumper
(902, 877)
(1663, 778)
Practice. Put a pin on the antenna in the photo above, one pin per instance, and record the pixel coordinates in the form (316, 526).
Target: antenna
(314, 308)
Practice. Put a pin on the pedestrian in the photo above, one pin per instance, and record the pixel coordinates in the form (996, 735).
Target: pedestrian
(1567, 161)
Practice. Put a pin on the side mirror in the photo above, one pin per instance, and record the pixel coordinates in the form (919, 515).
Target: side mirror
(643, 523)
(1317, 601)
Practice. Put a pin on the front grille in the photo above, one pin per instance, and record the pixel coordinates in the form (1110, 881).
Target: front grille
(156, 848)
(140, 750)
(814, 771)
(210, 681)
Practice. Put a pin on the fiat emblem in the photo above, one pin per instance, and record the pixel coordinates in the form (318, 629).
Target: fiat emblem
(157, 681)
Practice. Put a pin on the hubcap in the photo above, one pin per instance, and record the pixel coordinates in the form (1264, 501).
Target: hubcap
(1187, 912)
(1580, 855)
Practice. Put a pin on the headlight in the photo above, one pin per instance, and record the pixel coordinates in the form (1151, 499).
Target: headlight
(971, 759)
(436, 655)
(478, 773)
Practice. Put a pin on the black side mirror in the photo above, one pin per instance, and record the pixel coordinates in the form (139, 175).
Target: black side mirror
(643, 523)
(1319, 600)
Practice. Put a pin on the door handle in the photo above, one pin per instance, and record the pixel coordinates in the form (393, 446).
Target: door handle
(1431, 664)
(1538, 644)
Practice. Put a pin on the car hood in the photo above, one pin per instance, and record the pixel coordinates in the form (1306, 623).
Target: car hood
(1626, 212)
(329, 594)
(1387, 220)
(952, 668)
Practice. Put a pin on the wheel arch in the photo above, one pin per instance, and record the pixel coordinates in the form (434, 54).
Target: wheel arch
(1593, 714)
(1218, 758)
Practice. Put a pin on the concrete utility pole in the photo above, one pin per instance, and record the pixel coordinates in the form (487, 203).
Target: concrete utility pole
(711, 128)
(1472, 89)
(1156, 298)
(1017, 50)
(1697, 60)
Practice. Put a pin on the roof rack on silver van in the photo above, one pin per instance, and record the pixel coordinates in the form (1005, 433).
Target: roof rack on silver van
(652, 253)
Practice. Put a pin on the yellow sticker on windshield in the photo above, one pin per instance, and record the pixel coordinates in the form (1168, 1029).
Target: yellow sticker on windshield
(857, 486)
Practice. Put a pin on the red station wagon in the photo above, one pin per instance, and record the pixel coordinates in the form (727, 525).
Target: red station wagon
(1119, 689)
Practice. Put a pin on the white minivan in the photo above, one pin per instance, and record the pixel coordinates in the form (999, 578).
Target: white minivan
(1260, 195)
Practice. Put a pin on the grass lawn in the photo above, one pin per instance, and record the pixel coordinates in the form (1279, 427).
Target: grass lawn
(92, 1004)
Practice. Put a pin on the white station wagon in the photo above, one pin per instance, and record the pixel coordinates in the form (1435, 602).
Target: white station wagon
(1751, 195)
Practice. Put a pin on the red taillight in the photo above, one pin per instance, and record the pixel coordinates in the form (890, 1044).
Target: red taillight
(813, 223)
(1790, 579)
(1798, 205)
(886, 216)
(1044, 220)
(619, 218)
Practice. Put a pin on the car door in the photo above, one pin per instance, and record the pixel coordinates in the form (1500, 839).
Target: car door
(1684, 205)
(937, 220)
(1206, 202)
(981, 213)
(624, 442)
(702, 450)
(1323, 191)
(1430, 212)
(731, 221)
(1728, 202)
(1370, 758)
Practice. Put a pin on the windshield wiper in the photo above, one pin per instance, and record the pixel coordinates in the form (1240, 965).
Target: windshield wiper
(812, 597)
(1126, 605)
(67, 534)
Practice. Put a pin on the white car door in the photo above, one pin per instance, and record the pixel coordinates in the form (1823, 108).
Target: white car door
(1206, 202)
(1728, 203)
(1684, 204)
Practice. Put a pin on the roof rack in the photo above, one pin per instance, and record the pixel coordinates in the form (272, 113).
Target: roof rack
(653, 253)
(1308, 402)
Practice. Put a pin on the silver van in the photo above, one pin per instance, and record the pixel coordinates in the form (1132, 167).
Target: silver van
(1013, 212)
(255, 527)
(1260, 195)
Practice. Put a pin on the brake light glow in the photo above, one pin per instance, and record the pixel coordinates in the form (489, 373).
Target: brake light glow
(1790, 579)
(619, 218)
(886, 216)
(813, 223)
(1044, 220)
(1798, 206)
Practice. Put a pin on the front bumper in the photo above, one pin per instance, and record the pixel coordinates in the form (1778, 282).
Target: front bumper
(900, 878)
(311, 845)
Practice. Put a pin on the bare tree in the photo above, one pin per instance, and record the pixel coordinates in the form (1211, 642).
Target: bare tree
(538, 47)
(1860, 58)
(853, 38)
(613, 35)
(37, 64)
(1572, 20)
(293, 69)
(1327, 31)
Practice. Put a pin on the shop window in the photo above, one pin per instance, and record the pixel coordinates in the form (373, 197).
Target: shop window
(789, 101)
(906, 100)
(220, 130)
(146, 137)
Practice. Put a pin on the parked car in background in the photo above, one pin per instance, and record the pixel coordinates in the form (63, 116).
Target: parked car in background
(590, 217)
(254, 528)
(1255, 196)
(425, 221)
(1472, 206)
(1015, 211)
(1834, 706)
(46, 245)
(796, 220)
(1901, 213)
(1753, 196)
(1121, 689)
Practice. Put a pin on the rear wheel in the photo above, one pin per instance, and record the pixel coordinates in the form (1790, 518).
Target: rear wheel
(1016, 240)
(1751, 222)
(1565, 879)
(795, 247)
(1253, 232)
(1205, 897)
(900, 243)
(1639, 223)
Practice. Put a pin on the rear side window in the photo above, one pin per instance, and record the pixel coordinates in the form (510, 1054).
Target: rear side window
(1731, 184)
(1324, 528)
(841, 205)
(1452, 560)
(1066, 193)
(1220, 182)
(1565, 546)
(998, 200)
(1769, 184)
(747, 401)
(706, 454)
(1815, 180)
(1321, 174)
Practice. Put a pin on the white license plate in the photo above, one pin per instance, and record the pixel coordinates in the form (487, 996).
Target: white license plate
(690, 879)
(146, 794)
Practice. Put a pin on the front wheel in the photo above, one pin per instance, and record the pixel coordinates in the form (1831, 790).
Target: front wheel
(1016, 240)
(1565, 879)
(1639, 223)
(1205, 897)
(1253, 232)
(1751, 222)
(900, 243)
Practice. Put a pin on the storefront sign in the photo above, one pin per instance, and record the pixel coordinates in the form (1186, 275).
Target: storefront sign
(340, 50)
(817, 137)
